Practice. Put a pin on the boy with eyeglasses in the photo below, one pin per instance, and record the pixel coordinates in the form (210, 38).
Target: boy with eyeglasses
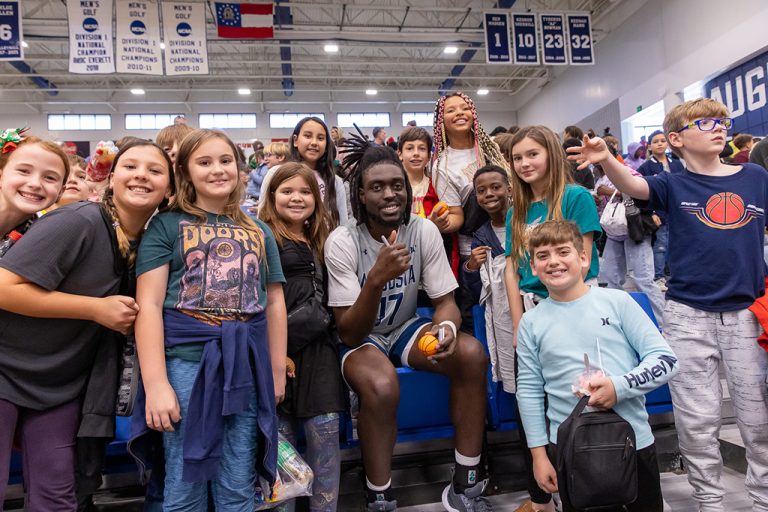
(717, 219)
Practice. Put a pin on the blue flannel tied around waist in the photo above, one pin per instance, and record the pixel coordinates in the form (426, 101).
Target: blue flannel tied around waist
(223, 387)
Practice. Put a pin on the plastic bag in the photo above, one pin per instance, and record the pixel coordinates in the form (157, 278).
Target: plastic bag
(294, 478)
(614, 218)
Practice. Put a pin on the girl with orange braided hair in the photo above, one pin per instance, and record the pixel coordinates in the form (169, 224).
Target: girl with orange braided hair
(461, 147)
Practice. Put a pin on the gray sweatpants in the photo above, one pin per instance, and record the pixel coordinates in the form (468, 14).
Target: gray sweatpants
(703, 341)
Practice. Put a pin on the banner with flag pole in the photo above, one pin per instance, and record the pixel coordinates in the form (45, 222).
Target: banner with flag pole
(245, 20)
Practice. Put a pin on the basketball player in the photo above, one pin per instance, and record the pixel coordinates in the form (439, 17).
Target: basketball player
(376, 264)
(717, 219)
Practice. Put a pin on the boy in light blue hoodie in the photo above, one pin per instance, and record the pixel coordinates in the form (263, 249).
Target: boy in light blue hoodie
(553, 339)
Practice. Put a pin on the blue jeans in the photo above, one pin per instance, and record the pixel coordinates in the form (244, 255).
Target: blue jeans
(233, 489)
(323, 456)
(660, 251)
(618, 255)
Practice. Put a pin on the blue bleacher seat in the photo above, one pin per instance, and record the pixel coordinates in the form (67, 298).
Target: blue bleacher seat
(501, 406)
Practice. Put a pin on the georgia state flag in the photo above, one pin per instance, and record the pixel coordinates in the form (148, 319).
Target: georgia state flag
(245, 21)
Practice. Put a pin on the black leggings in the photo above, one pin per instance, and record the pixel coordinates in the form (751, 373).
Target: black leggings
(538, 496)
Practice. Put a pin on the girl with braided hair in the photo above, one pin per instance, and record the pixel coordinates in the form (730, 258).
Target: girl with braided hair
(68, 276)
(461, 147)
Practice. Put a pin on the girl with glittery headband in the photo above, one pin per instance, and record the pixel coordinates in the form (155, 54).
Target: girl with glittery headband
(32, 175)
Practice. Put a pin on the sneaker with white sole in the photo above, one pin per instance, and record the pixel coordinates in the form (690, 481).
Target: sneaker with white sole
(471, 500)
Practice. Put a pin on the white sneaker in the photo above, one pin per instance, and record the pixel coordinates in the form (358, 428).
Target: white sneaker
(661, 283)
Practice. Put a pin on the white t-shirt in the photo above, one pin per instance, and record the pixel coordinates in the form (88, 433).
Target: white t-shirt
(453, 176)
(351, 252)
(453, 183)
(419, 191)
(501, 234)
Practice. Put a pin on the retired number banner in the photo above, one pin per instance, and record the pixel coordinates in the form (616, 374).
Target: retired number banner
(90, 36)
(138, 38)
(186, 51)
(10, 31)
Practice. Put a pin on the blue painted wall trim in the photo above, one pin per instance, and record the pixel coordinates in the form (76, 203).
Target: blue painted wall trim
(41, 82)
(284, 16)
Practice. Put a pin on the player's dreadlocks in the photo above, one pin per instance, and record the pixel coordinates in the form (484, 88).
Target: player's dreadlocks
(486, 150)
(361, 155)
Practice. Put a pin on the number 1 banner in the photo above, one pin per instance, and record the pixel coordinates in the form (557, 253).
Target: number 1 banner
(553, 39)
(580, 38)
(524, 39)
(497, 37)
(10, 31)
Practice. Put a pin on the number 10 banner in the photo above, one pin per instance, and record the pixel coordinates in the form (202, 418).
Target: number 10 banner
(524, 37)
(497, 47)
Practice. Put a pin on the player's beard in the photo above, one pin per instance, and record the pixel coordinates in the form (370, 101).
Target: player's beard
(387, 223)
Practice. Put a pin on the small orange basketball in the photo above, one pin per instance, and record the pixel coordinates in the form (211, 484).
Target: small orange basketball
(428, 344)
(440, 207)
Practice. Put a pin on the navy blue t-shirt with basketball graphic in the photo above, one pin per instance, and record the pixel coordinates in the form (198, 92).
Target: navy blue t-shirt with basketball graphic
(716, 227)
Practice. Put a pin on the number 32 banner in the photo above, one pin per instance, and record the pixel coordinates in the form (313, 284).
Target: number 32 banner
(580, 38)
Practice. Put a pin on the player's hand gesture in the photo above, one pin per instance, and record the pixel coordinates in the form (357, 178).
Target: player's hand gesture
(392, 261)
(594, 151)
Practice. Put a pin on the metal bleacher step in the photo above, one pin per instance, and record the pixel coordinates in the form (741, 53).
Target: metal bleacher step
(421, 470)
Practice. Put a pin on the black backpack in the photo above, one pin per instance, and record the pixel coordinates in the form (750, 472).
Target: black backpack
(596, 459)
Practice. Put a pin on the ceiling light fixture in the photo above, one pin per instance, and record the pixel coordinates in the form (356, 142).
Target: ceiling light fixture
(450, 50)
(137, 91)
(331, 48)
(482, 92)
(371, 92)
(243, 91)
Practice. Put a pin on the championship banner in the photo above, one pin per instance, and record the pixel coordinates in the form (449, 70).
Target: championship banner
(496, 25)
(553, 38)
(10, 31)
(138, 38)
(580, 38)
(186, 45)
(90, 37)
(524, 39)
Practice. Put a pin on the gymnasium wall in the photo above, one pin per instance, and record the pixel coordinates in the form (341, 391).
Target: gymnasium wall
(662, 48)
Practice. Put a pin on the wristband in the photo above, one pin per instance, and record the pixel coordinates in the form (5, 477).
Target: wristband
(450, 324)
